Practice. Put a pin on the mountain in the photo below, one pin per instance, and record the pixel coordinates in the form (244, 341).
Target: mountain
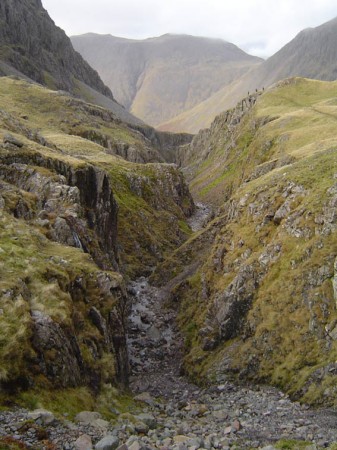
(158, 78)
(311, 54)
(33, 47)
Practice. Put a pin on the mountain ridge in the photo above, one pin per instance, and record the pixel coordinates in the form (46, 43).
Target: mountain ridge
(310, 54)
(157, 77)
(33, 47)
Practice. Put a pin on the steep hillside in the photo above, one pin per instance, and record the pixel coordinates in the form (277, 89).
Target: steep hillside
(33, 47)
(158, 78)
(74, 216)
(257, 288)
(311, 54)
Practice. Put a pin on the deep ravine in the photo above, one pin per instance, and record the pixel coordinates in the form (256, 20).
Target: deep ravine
(155, 344)
(172, 413)
(221, 416)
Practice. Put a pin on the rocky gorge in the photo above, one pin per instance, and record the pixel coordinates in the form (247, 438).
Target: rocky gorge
(168, 412)
(134, 315)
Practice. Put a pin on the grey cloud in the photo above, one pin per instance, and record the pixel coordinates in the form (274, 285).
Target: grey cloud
(260, 27)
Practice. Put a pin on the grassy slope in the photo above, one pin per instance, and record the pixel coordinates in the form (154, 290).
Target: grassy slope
(148, 215)
(293, 120)
(40, 275)
(287, 336)
(310, 54)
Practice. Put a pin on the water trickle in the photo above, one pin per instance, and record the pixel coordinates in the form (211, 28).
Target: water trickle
(77, 240)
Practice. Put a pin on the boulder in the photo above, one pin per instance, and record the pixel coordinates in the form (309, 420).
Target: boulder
(83, 443)
(9, 139)
(107, 443)
(42, 416)
(88, 417)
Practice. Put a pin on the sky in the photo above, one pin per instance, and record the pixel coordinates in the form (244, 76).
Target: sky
(260, 27)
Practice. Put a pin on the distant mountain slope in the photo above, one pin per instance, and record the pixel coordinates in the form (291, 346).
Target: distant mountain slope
(33, 47)
(158, 78)
(311, 54)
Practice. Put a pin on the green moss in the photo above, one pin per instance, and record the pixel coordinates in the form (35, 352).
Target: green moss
(288, 444)
(69, 401)
(49, 81)
(110, 402)
(184, 227)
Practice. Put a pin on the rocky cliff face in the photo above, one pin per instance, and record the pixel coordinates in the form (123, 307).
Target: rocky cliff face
(256, 288)
(31, 42)
(32, 47)
(73, 217)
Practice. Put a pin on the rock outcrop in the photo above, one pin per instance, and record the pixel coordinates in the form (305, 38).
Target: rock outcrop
(256, 287)
(74, 219)
(32, 43)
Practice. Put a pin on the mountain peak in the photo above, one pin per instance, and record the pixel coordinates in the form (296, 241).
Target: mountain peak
(35, 46)
(159, 77)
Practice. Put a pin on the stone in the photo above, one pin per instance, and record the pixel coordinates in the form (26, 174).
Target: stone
(83, 443)
(43, 416)
(144, 397)
(282, 212)
(148, 419)
(62, 232)
(220, 415)
(10, 139)
(100, 423)
(180, 439)
(87, 417)
(236, 425)
(141, 427)
(202, 410)
(154, 333)
(135, 446)
(107, 443)
(228, 430)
